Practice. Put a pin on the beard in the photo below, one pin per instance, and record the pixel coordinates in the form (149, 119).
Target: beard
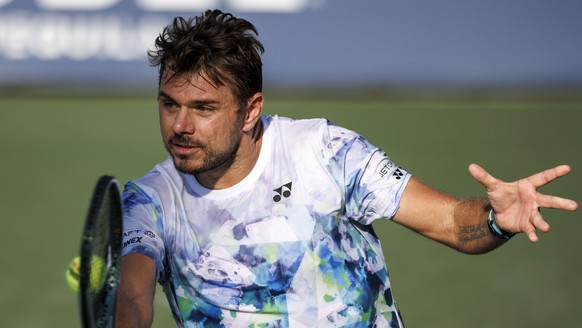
(212, 158)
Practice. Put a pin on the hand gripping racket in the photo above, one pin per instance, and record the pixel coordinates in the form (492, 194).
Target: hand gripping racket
(101, 256)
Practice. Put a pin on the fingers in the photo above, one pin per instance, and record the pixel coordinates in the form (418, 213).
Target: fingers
(549, 175)
(532, 236)
(482, 176)
(537, 224)
(548, 201)
(537, 180)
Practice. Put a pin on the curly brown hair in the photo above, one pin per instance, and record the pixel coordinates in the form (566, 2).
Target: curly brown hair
(221, 46)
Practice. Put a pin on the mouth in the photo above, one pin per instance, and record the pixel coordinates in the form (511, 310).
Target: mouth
(184, 147)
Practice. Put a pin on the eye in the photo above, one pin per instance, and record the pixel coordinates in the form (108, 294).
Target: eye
(167, 104)
(204, 109)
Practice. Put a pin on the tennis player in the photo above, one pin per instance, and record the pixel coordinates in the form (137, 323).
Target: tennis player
(265, 221)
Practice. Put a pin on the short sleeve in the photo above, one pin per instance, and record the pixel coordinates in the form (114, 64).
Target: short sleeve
(373, 184)
(142, 225)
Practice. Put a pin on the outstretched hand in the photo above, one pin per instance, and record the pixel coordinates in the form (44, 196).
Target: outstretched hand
(517, 204)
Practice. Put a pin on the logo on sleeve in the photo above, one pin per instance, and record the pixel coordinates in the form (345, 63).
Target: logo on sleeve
(386, 168)
(132, 241)
(398, 174)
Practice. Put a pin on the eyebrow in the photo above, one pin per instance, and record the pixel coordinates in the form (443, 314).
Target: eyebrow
(193, 104)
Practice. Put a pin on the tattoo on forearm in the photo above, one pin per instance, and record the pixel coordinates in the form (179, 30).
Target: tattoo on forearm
(474, 232)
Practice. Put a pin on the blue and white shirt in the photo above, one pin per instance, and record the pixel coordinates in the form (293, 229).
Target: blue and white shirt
(291, 245)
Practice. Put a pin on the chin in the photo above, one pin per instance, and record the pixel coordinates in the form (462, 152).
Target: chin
(184, 166)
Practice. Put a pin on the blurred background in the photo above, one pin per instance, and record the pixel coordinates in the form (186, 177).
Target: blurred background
(437, 85)
(310, 43)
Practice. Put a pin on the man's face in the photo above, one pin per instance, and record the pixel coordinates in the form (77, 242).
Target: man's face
(200, 123)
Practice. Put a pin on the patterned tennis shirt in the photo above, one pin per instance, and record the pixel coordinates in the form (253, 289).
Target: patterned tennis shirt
(291, 245)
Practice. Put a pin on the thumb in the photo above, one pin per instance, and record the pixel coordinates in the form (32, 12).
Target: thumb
(482, 176)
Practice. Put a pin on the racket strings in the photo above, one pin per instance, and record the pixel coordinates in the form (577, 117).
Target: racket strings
(101, 253)
(102, 268)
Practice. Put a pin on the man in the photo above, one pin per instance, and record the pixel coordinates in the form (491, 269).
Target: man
(258, 221)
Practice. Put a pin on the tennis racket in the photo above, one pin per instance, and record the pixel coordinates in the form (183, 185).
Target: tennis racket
(101, 256)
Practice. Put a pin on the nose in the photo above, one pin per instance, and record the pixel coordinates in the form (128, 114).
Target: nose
(184, 122)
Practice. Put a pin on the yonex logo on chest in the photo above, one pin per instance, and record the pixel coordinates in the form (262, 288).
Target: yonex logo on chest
(283, 191)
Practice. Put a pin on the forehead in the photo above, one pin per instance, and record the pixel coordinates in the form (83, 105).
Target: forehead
(196, 84)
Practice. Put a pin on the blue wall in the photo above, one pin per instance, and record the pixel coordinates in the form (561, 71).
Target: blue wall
(308, 42)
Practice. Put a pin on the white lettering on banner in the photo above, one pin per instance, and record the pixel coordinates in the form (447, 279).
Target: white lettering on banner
(269, 5)
(176, 5)
(240, 5)
(76, 4)
(86, 30)
(50, 36)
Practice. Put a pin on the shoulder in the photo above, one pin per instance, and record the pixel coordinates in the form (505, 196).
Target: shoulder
(161, 179)
(319, 130)
(320, 134)
(283, 124)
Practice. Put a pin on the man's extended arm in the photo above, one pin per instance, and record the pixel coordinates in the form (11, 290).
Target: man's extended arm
(462, 224)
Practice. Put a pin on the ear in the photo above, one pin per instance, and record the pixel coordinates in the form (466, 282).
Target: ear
(253, 111)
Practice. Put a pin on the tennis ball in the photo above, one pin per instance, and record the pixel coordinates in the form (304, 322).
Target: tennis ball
(97, 278)
(73, 274)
